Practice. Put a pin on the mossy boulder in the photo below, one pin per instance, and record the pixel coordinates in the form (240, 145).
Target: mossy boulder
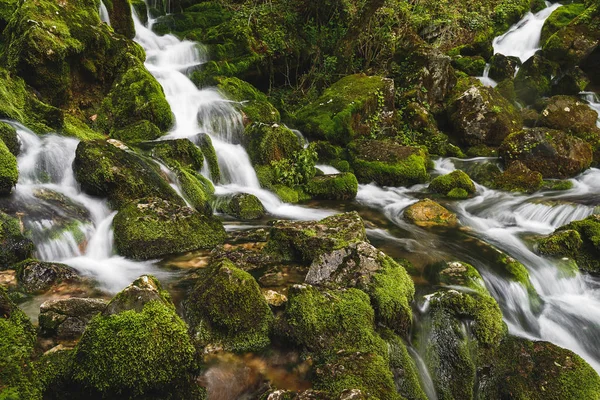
(143, 352)
(554, 154)
(388, 163)
(253, 103)
(473, 66)
(545, 371)
(121, 20)
(243, 206)
(578, 240)
(227, 310)
(267, 143)
(153, 227)
(480, 115)
(534, 79)
(567, 113)
(428, 213)
(518, 178)
(14, 247)
(197, 190)
(105, 170)
(302, 241)
(36, 276)
(204, 141)
(362, 266)
(342, 186)
(560, 18)
(8, 135)
(570, 82)
(136, 132)
(9, 173)
(177, 153)
(445, 184)
(344, 110)
(66, 319)
(503, 67)
(17, 340)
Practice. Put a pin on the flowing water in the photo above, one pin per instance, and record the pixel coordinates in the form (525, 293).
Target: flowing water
(523, 39)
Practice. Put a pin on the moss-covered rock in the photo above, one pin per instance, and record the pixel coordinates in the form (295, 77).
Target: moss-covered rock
(473, 66)
(8, 135)
(253, 103)
(243, 206)
(9, 173)
(362, 266)
(570, 82)
(177, 153)
(560, 18)
(345, 110)
(545, 371)
(197, 190)
(227, 310)
(304, 240)
(480, 115)
(568, 114)
(518, 178)
(428, 213)
(577, 240)
(552, 153)
(503, 67)
(14, 247)
(37, 276)
(17, 340)
(104, 170)
(534, 79)
(210, 156)
(342, 186)
(267, 143)
(66, 319)
(135, 352)
(458, 179)
(388, 163)
(120, 17)
(138, 131)
(153, 228)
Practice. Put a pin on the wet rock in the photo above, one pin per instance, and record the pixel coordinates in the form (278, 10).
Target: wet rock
(14, 247)
(342, 186)
(445, 184)
(571, 82)
(204, 141)
(568, 114)
(533, 80)
(388, 163)
(67, 319)
(554, 154)
(274, 298)
(267, 143)
(362, 266)
(9, 173)
(253, 103)
(518, 178)
(37, 276)
(8, 135)
(436, 75)
(473, 66)
(153, 228)
(226, 309)
(503, 67)
(104, 170)
(343, 111)
(482, 116)
(120, 17)
(135, 296)
(304, 240)
(242, 206)
(428, 213)
(177, 153)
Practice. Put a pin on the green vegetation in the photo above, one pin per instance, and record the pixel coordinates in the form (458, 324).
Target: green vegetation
(455, 180)
(342, 186)
(243, 206)
(14, 247)
(8, 170)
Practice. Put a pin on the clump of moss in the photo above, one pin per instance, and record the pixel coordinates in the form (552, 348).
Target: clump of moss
(254, 104)
(268, 143)
(153, 227)
(455, 180)
(458, 194)
(133, 353)
(227, 310)
(342, 186)
(8, 135)
(196, 189)
(104, 170)
(14, 247)
(178, 153)
(244, 206)
(518, 178)
(9, 173)
(473, 66)
(205, 143)
(137, 132)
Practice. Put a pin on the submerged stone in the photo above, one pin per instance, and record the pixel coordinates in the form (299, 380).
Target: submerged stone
(38, 276)
(342, 186)
(243, 206)
(67, 319)
(427, 213)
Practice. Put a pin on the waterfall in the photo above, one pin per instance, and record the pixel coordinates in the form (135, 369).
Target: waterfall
(523, 38)
(485, 78)
(104, 17)
(207, 111)
(65, 224)
(593, 102)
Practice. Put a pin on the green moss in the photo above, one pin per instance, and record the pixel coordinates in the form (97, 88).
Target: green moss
(132, 353)
(327, 321)
(454, 180)
(286, 194)
(552, 184)
(104, 170)
(196, 189)
(268, 143)
(76, 128)
(17, 339)
(243, 206)
(210, 156)
(14, 247)
(458, 194)
(342, 186)
(153, 228)
(473, 66)
(8, 170)
(178, 153)
(137, 132)
(342, 112)
(228, 310)
(8, 135)
(518, 178)
(513, 270)
(564, 243)
(560, 18)
(253, 103)
(121, 20)
(54, 370)
(534, 79)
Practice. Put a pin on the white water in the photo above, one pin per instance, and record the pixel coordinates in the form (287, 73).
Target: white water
(523, 38)
(594, 103)
(45, 165)
(485, 78)
(207, 111)
(104, 17)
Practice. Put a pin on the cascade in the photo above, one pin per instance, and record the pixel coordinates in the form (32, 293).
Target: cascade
(104, 17)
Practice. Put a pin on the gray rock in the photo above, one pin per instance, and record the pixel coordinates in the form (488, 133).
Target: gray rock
(67, 318)
(37, 276)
